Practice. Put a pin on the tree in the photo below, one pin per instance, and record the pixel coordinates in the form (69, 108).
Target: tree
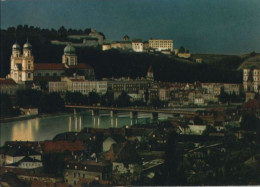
(107, 99)
(197, 120)
(209, 129)
(156, 102)
(123, 99)
(250, 122)
(173, 166)
(182, 49)
(50, 103)
(146, 96)
(28, 98)
(93, 97)
(6, 108)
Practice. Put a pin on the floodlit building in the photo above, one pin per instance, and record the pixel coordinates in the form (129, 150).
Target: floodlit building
(137, 45)
(9, 86)
(161, 45)
(22, 64)
(78, 84)
(88, 169)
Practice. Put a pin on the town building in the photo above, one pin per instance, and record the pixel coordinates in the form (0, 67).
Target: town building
(164, 94)
(198, 60)
(126, 163)
(9, 86)
(92, 39)
(13, 154)
(137, 45)
(232, 88)
(26, 163)
(184, 55)
(87, 169)
(161, 45)
(251, 80)
(69, 66)
(122, 45)
(106, 47)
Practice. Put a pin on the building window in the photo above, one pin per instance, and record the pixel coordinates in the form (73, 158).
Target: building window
(29, 75)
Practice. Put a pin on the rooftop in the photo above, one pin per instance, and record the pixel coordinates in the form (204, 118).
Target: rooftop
(48, 66)
(7, 82)
(60, 146)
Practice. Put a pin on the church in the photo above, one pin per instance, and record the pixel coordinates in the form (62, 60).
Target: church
(23, 69)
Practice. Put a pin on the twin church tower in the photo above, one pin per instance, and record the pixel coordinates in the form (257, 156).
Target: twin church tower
(23, 67)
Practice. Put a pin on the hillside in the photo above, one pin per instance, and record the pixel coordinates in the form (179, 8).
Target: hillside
(114, 63)
(211, 58)
(251, 62)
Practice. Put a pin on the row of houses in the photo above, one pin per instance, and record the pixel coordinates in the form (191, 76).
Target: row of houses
(137, 45)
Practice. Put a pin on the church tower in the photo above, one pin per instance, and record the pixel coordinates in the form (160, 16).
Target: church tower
(150, 74)
(69, 57)
(28, 62)
(22, 66)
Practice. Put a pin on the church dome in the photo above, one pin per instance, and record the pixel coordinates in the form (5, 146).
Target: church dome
(69, 49)
(16, 46)
(27, 46)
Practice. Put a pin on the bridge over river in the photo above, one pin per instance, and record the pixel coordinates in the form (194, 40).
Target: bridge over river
(134, 110)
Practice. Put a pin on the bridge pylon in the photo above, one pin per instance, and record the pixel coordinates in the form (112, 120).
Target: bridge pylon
(94, 112)
(133, 114)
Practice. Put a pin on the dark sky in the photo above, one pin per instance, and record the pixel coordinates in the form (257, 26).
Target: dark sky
(202, 26)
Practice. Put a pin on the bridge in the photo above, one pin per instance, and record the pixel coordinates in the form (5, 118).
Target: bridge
(133, 110)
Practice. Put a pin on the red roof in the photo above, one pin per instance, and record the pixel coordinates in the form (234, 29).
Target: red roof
(82, 66)
(77, 80)
(60, 146)
(7, 81)
(48, 66)
(48, 184)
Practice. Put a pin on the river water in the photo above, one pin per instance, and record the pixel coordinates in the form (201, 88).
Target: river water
(45, 128)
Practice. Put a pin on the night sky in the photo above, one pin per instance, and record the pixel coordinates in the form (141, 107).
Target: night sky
(202, 26)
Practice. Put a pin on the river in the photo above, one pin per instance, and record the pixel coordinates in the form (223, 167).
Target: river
(45, 128)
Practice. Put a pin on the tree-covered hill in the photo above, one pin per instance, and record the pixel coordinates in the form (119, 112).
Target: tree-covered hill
(114, 63)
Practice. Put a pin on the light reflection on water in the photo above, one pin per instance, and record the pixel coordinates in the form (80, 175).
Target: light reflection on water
(46, 128)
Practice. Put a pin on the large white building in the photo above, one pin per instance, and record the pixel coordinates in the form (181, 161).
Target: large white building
(251, 80)
(78, 84)
(161, 45)
(137, 45)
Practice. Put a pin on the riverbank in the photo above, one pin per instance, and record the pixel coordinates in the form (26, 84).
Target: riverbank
(20, 118)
